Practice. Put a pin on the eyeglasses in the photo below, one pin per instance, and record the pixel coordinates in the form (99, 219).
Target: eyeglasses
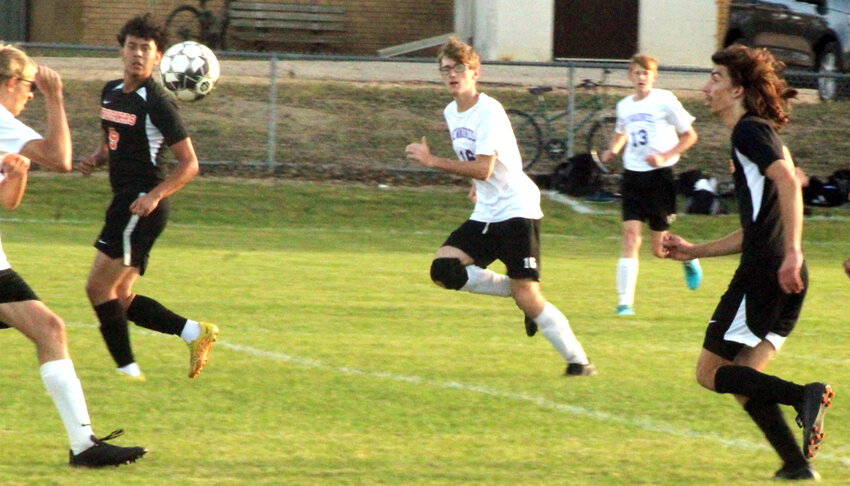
(457, 68)
(33, 87)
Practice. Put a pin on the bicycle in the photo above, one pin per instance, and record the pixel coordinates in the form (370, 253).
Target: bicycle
(187, 22)
(535, 131)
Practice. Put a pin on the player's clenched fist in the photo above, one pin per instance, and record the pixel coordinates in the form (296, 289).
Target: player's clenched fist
(419, 152)
(15, 165)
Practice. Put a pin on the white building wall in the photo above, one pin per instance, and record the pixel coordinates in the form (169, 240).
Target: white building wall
(507, 29)
(678, 32)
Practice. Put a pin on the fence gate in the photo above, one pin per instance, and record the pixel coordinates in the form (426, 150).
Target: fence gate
(595, 29)
(13, 21)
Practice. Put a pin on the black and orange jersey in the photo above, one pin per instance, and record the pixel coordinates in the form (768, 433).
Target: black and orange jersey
(138, 126)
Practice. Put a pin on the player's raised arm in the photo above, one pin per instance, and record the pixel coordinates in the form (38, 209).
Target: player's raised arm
(54, 150)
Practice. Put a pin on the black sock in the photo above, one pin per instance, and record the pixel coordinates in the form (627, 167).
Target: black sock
(113, 327)
(770, 420)
(753, 384)
(152, 315)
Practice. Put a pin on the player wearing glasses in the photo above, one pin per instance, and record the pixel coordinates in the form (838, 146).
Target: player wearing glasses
(505, 224)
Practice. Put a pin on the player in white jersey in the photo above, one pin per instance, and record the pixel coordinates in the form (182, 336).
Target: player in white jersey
(20, 308)
(655, 130)
(505, 224)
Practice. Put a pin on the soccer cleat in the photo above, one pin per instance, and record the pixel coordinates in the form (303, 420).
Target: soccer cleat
(797, 473)
(625, 310)
(530, 326)
(816, 397)
(577, 369)
(199, 349)
(693, 273)
(102, 454)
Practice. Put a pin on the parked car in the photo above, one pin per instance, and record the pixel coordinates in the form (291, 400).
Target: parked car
(809, 35)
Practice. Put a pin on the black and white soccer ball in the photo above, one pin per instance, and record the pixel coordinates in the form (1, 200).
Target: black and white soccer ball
(189, 70)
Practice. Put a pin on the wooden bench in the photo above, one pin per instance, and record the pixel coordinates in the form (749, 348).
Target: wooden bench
(271, 23)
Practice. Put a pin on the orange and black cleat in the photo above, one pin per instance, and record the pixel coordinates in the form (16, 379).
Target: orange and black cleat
(816, 398)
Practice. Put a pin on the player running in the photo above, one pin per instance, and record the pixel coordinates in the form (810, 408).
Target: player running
(655, 130)
(139, 121)
(20, 308)
(761, 306)
(505, 224)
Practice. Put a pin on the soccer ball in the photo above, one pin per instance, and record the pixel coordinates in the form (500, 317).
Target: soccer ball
(189, 70)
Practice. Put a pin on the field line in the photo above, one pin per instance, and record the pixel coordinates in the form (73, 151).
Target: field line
(633, 421)
(542, 402)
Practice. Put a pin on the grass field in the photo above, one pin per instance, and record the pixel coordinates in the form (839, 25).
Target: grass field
(340, 363)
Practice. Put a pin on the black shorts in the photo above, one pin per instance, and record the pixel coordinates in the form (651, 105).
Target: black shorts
(515, 242)
(649, 196)
(754, 308)
(127, 236)
(13, 289)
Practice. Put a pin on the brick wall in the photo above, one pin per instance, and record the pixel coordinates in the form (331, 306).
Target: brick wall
(722, 20)
(369, 24)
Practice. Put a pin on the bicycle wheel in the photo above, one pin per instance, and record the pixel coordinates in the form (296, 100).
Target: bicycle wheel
(528, 137)
(184, 23)
(600, 134)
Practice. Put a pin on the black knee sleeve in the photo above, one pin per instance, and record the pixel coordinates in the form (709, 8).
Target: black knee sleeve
(449, 273)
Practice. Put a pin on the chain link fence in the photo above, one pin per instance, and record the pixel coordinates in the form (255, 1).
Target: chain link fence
(331, 117)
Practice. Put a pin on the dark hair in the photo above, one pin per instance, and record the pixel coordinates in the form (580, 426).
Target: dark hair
(144, 27)
(766, 94)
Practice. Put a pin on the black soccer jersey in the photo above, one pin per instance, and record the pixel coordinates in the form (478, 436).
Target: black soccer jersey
(138, 127)
(755, 146)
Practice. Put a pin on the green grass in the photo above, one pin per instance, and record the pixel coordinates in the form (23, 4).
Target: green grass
(340, 363)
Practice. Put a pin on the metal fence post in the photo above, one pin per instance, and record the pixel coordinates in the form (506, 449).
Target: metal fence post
(571, 109)
(272, 109)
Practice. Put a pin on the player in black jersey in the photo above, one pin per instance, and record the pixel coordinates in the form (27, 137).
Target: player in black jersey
(763, 301)
(139, 122)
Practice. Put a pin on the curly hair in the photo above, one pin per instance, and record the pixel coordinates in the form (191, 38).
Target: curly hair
(144, 27)
(766, 94)
(460, 52)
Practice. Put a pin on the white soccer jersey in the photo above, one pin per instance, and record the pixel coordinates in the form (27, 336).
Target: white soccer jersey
(651, 126)
(485, 129)
(13, 136)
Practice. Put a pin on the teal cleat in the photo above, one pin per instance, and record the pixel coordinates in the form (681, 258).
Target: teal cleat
(693, 273)
(625, 310)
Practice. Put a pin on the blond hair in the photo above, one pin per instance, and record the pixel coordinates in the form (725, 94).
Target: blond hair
(14, 63)
(460, 52)
(645, 61)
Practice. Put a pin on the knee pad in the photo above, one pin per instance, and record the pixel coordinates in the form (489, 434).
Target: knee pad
(449, 273)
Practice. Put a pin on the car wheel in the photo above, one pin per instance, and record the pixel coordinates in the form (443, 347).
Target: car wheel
(828, 61)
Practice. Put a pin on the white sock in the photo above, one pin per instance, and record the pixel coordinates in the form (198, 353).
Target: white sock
(627, 273)
(131, 369)
(483, 281)
(191, 331)
(64, 388)
(556, 328)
